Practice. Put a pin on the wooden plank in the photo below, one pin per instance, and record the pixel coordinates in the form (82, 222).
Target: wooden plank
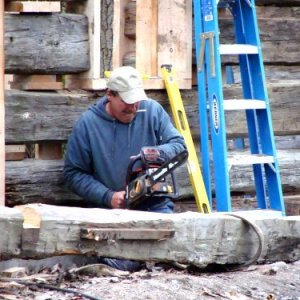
(36, 82)
(292, 205)
(7, 81)
(99, 234)
(90, 78)
(121, 43)
(32, 6)
(175, 36)
(146, 34)
(15, 152)
(2, 108)
(49, 150)
(157, 27)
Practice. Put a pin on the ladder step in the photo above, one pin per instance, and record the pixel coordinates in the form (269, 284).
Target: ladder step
(235, 49)
(242, 104)
(249, 159)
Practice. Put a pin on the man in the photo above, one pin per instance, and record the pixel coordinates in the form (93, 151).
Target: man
(111, 131)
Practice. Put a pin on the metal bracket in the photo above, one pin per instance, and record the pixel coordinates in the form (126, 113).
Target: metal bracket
(203, 37)
(249, 3)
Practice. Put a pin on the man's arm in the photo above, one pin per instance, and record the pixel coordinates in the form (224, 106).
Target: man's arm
(171, 142)
(78, 170)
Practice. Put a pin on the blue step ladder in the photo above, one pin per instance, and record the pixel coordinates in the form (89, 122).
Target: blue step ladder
(213, 106)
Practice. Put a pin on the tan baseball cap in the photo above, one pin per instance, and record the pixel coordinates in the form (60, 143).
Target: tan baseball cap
(127, 82)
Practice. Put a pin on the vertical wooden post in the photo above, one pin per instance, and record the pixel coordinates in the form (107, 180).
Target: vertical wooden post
(2, 108)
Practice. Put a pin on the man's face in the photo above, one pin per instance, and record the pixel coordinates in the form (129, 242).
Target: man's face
(120, 110)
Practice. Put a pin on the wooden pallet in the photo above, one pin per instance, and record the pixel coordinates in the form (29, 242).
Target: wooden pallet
(146, 34)
(92, 79)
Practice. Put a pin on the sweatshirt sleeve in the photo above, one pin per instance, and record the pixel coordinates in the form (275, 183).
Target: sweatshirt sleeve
(171, 142)
(78, 169)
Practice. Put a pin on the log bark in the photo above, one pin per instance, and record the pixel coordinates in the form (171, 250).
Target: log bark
(34, 181)
(46, 44)
(198, 239)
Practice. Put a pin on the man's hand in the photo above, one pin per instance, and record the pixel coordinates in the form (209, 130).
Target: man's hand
(118, 200)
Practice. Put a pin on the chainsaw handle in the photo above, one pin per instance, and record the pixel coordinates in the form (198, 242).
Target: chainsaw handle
(132, 162)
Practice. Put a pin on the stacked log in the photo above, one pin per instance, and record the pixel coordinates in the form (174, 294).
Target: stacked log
(33, 117)
(188, 238)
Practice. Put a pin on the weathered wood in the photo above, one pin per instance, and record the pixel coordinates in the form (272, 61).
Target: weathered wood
(169, 41)
(49, 150)
(33, 116)
(37, 181)
(277, 46)
(278, 2)
(32, 6)
(32, 181)
(2, 108)
(15, 152)
(46, 44)
(284, 109)
(199, 239)
(292, 205)
(274, 23)
(11, 227)
(36, 82)
(42, 116)
(92, 79)
(98, 234)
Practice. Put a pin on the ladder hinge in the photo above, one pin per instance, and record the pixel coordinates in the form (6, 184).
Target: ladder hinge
(203, 37)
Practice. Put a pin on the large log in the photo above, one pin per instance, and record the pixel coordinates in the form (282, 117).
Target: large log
(32, 181)
(32, 116)
(11, 227)
(273, 24)
(193, 238)
(35, 116)
(46, 44)
(284, 109)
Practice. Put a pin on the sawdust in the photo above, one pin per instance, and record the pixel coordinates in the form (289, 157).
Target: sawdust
(270, 282)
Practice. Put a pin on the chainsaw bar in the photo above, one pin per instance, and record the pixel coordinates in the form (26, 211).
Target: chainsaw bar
(168, 167)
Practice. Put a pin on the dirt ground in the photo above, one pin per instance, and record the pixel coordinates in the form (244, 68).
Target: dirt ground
(273, 281)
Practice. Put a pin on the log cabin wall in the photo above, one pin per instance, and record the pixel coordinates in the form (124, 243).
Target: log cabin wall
(79, 43)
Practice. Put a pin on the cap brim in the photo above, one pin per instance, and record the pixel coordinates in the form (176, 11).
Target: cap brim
(133, 95)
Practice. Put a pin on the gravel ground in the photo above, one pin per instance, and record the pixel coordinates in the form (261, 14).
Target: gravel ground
(271, 282)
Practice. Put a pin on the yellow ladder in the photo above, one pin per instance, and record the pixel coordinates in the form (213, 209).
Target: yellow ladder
(183, 127)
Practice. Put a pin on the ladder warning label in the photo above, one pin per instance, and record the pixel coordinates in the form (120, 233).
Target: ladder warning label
(207, 8)
(215, 113)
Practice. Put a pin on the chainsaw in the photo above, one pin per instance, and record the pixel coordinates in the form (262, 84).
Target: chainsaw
(148, 176)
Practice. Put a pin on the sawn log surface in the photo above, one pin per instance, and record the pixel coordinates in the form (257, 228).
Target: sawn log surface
(198, 240)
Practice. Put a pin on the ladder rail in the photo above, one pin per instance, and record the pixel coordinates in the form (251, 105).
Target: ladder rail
(215, 99)
(203, 116)
(256, 103)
